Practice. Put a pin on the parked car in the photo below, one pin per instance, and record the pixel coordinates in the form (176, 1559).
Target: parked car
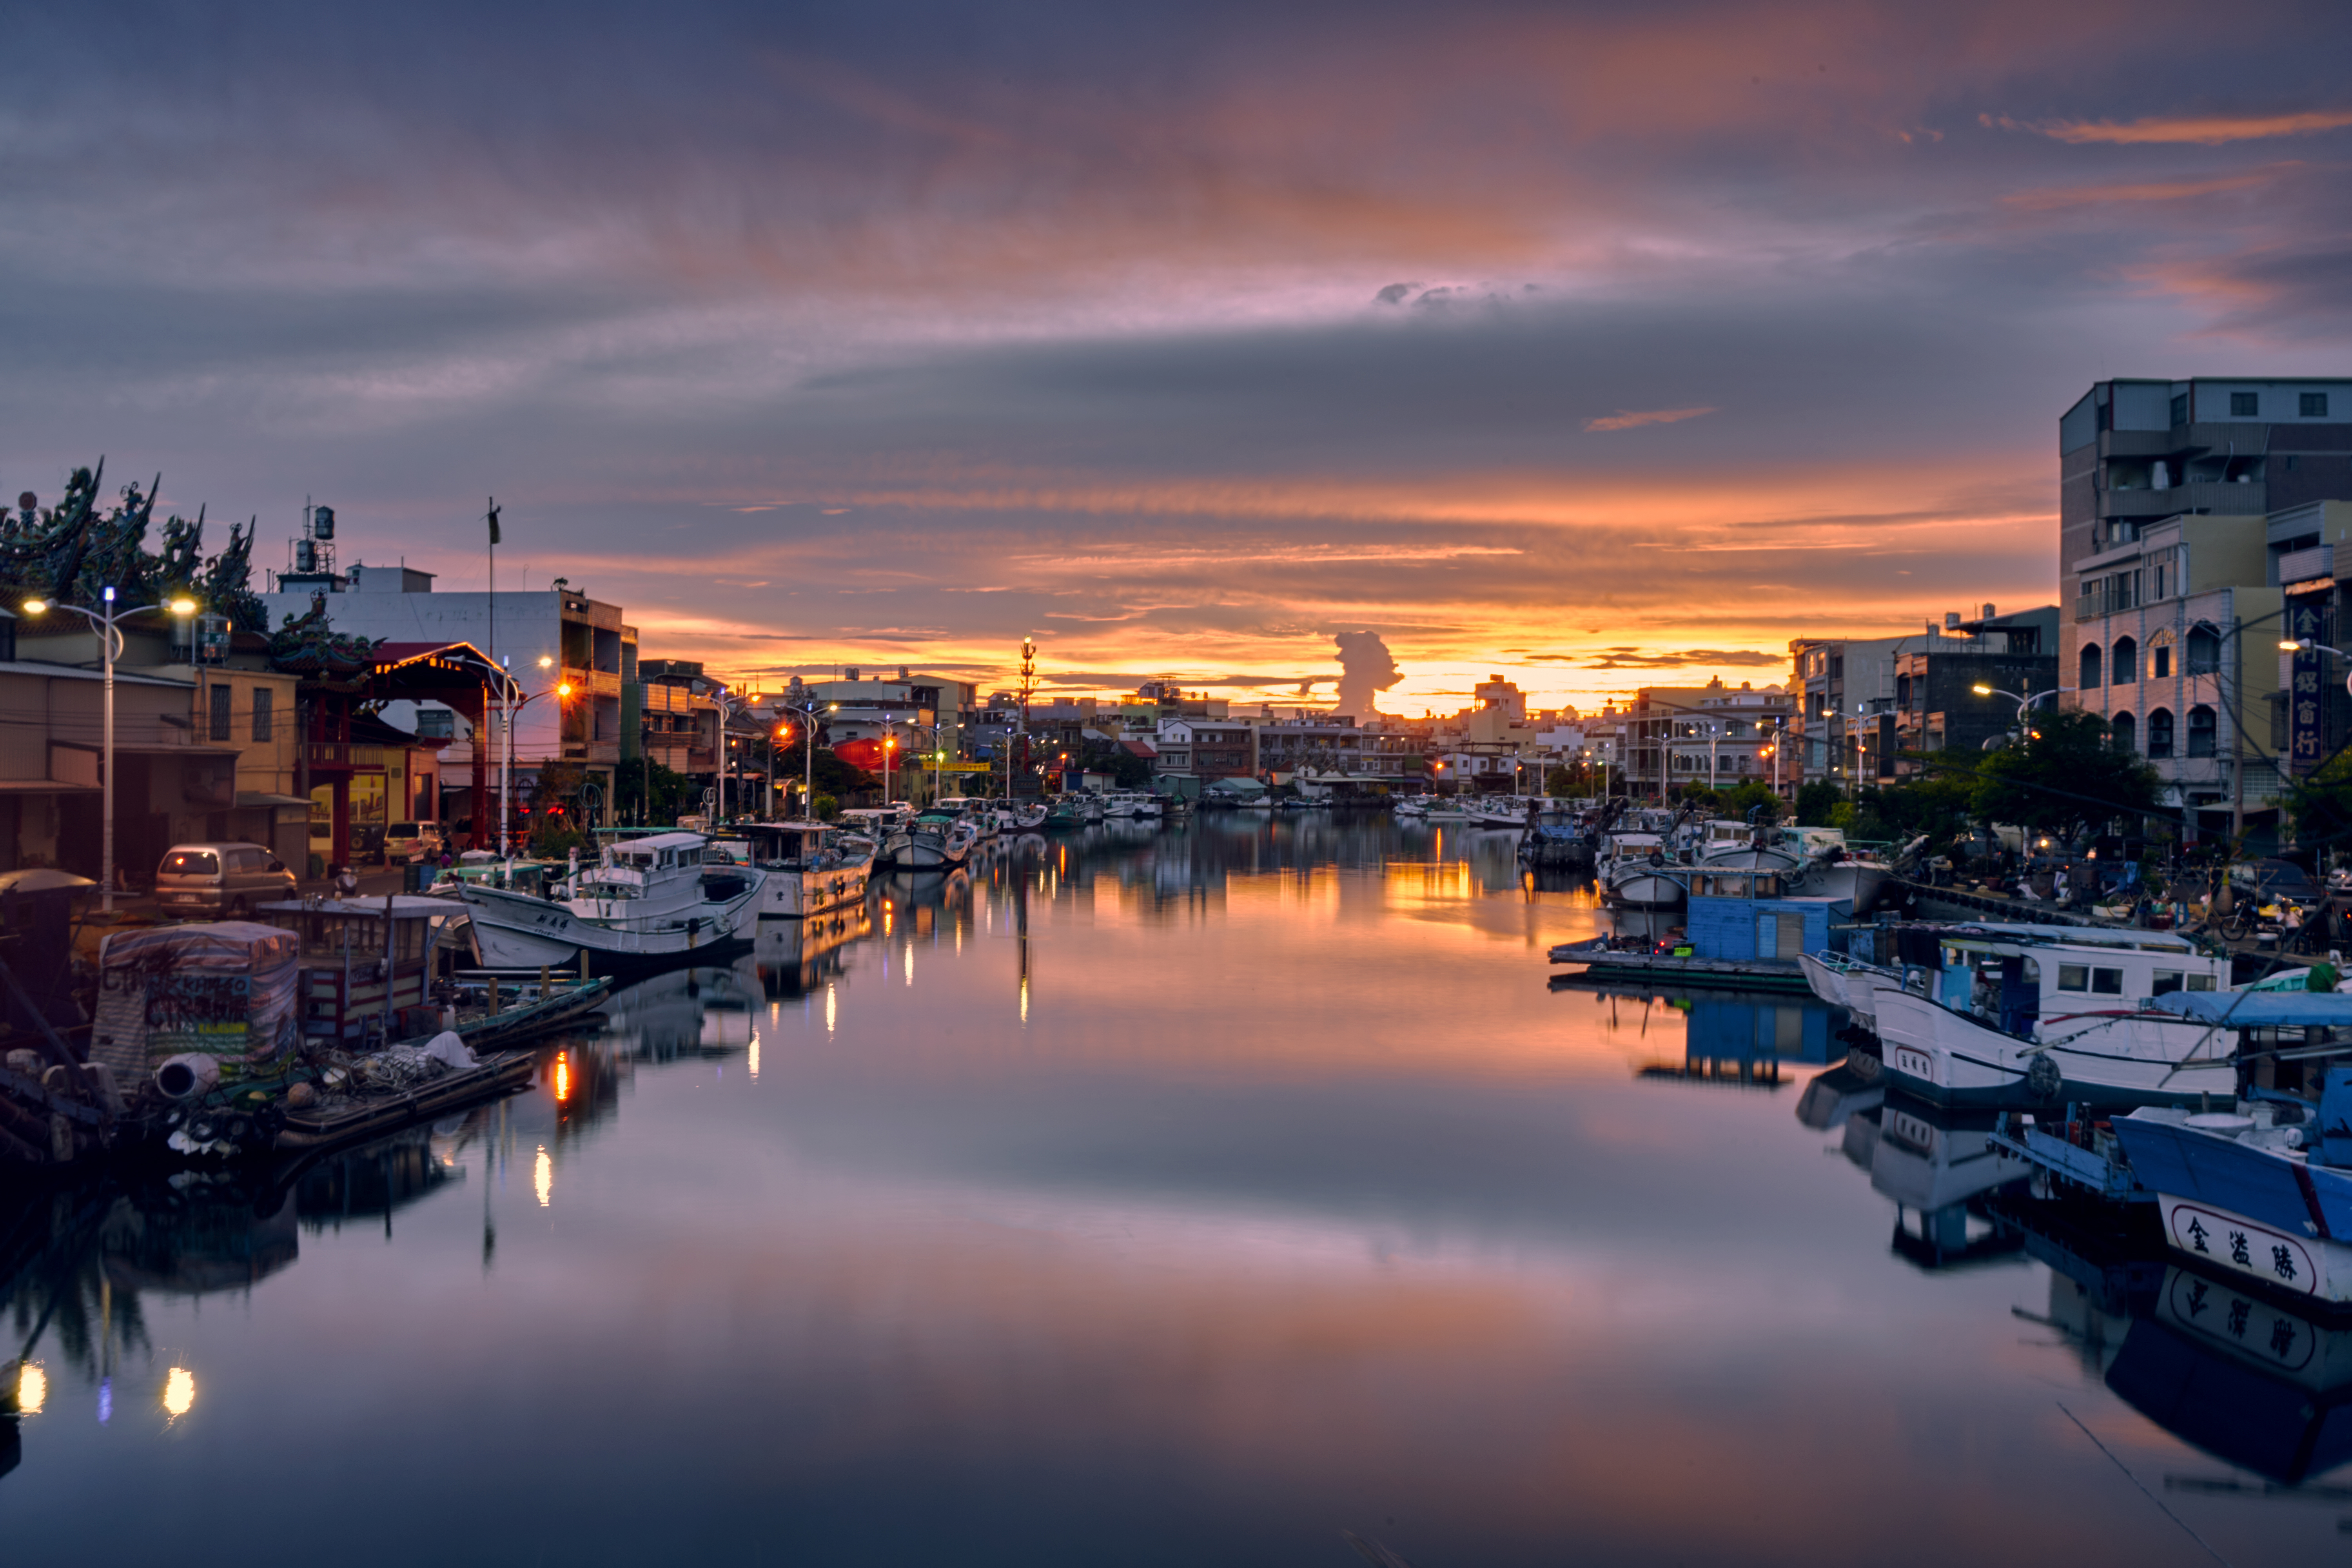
(407, 841)
(221, 879)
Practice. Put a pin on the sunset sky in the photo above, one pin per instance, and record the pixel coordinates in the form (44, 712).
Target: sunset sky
(1594, 345)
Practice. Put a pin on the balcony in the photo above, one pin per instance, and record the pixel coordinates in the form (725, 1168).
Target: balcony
(341, 754)
(2302, 566)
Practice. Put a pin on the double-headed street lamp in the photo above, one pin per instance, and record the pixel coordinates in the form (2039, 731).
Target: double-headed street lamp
(2022, 701)
(808, 753)
(110, 642)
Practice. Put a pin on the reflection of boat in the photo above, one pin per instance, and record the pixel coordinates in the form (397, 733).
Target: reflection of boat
(650, 899)
(2252, 1383)
(791, 959)
(1738, 1037)
(1933, 1162)
(1854, 1085)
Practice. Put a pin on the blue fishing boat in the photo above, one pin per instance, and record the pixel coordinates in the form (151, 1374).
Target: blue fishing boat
(2263, 1189)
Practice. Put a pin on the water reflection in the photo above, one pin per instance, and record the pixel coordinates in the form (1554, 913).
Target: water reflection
(1196, 1194)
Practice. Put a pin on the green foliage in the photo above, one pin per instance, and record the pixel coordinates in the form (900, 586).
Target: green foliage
(2063, 778)
(1816, 801)
(827, 807)
(76, 550)
(1938, 806)
(2319, 803)
(647, 793)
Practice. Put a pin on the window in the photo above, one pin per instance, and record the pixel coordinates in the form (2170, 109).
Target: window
(2159, 732)
(2074, 977)
(2179, 409)
(438, 723)
(2313, 405)
(2125, 732)
(2161, 659)
(2204, 650)
(2245, 406)
(2167, 981)
(2201, 982)
(2201, 730)
(2089, 675)
(2106, 982)
(263, 702)
(221, 696)
(2123, 663)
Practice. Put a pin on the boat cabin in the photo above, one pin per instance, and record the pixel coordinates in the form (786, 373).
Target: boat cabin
(787, 846)
(363, 960)
(2021, 974)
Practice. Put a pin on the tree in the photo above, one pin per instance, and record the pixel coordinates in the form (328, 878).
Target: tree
(1939, 807)
(2319, 803)
(1816, 801)
(2062, 778)
(648, 793)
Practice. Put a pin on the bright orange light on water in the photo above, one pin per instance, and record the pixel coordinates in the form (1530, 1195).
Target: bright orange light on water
(562, 1077)
(32, 1390)
(543, 1176)
(179, 1391)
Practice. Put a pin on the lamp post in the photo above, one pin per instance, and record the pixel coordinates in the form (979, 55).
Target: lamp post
(561, 691)
(109, 642)
(808, 750)
(2022, 699)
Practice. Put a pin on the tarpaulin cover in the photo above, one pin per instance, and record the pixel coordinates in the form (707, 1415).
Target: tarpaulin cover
(227, 990)
(2260, 1009)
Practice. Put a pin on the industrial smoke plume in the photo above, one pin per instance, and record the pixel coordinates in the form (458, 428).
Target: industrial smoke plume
(1366, 671)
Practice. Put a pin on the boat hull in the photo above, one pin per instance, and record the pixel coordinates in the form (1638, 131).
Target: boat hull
(795, 895)
(2255, 1212)
(2129, 1059)
(514, 931)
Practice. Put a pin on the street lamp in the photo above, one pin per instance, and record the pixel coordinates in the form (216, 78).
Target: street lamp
(110, 642)
(2022, 701)
(561, 693)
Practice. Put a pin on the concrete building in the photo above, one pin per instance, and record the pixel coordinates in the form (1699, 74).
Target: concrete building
(209, 751)
(546, 639)
(2174, 638)
(1707, 735)
(1198, 751)
(1937, 707)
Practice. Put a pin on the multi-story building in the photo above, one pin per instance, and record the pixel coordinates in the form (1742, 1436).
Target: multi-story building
(1333, 745)
(1198, 751)
(1938, 707)
(1840, 726)
(1704, 735)
(548, 640)
(2175, 635)
(2184, 506)
(679, 715)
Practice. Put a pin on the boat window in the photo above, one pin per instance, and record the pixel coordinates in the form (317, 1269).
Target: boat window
(2032, 971)
(2201, 982)
(2074, 977)
(2106, 982)
(2167, 981)
(1768, 886)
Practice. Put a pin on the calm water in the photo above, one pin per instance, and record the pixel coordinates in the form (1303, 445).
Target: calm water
(1180, 1199)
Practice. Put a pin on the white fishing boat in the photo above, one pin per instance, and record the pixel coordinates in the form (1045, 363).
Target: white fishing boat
(1639, 871)
(809, 865)
(1031, 816)
(647, 898)
(1831, 868)
(935, 840)
(1849, 983)
(2021, 1015)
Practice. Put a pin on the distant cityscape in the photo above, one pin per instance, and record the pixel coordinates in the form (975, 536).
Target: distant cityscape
(2197, 526)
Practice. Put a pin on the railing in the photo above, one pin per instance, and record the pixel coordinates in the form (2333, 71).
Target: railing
(343, 754)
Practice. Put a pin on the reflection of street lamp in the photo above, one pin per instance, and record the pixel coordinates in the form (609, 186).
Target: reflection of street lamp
(110, 642)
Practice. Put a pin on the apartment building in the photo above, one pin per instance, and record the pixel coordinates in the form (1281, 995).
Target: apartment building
(1707, 735)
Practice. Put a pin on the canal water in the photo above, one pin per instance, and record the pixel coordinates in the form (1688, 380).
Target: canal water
(1240, 1194)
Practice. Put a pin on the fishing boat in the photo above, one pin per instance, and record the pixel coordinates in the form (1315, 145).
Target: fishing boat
(2263, 1190)
(649, 900)
(1066, 815)
(2020, 1015)
(1638, 872)
(806, 866)
(936, 840)
(1832, 867)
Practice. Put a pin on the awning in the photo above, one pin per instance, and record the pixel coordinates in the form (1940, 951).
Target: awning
(1238, 785)
(42, 880)
(2261, 1009)
(246, 797)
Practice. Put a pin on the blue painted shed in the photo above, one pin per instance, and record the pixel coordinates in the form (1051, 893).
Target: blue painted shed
(1738, 917)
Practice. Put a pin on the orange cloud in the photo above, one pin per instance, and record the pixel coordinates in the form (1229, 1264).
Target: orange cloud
(2202, 130)
(2151, 191)
(1622, 420)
